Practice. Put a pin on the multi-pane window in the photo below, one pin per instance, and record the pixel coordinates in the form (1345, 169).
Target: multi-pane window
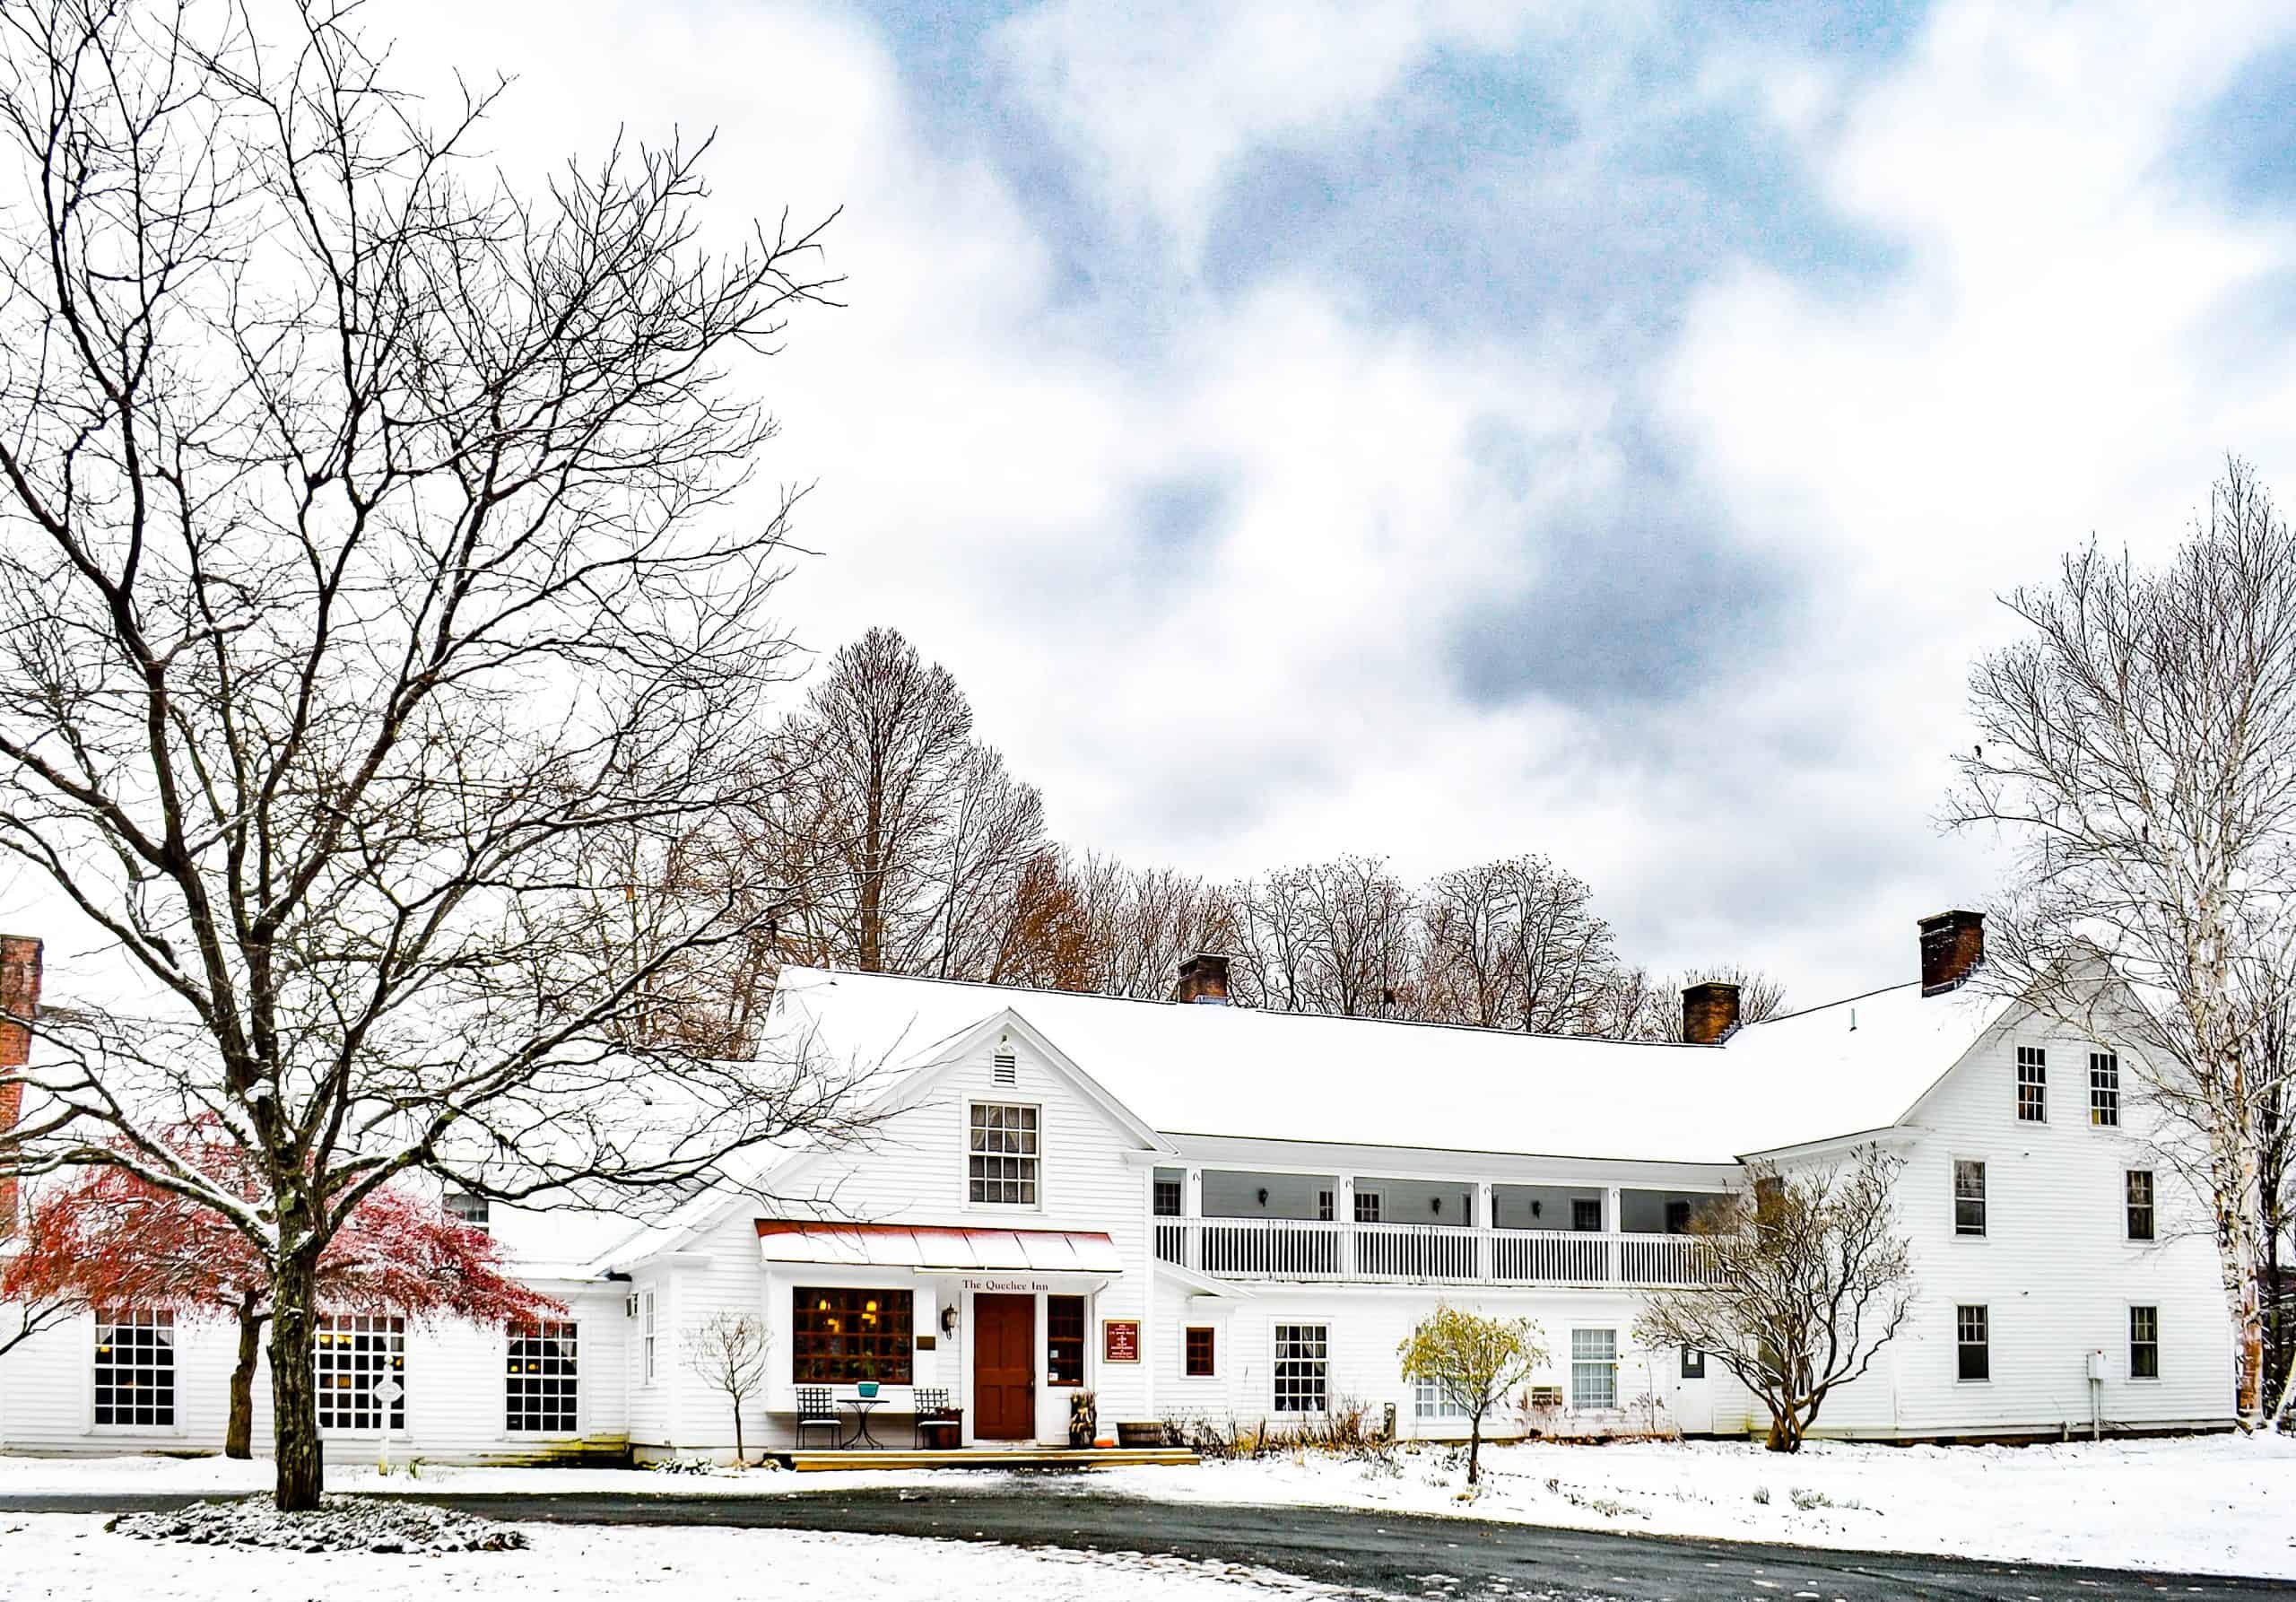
(645, 1337)
(840, 1335)
(1302, 1367)
(1063, 1340)
(540, 1394)
(1586, 1214)
(136, 1367)
(1693, 1364)
(1168, 1198)
(1974, 1341)
(1367, 1207)
(356, 1353)
(1968, 1197)
(1433, 1399)
(1324, 1211)
(2140, 1203)
(2145, 1343)
(2032, 1084)
(2104, 1089)
(1202, 1352)
(1593, 1368)
(1002, 1153)
(472, 1210)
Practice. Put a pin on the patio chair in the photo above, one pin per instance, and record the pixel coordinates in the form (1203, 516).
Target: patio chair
(817, 1411)
(937, 1420)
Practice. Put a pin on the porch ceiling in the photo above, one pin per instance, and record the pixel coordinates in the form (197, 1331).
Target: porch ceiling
(908, 1246)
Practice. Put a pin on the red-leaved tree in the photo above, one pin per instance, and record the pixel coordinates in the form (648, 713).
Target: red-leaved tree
(111, 1240)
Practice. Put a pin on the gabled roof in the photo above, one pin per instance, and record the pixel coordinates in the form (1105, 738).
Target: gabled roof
(1216, 1070)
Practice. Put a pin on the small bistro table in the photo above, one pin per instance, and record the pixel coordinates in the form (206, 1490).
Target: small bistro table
(862, 1406)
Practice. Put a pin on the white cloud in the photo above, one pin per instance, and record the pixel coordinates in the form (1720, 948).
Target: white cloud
(1904, 449)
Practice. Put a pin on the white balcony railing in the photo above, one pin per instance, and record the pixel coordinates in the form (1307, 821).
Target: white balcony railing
(1299, 1249)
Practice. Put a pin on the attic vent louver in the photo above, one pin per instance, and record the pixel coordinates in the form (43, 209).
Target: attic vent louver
(1008, 1069)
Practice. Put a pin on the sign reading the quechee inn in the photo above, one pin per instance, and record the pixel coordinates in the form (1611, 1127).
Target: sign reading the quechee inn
(1006, 1286)
(1120, 1340)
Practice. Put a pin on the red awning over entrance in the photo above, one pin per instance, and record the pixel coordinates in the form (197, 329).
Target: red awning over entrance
(929, 1246)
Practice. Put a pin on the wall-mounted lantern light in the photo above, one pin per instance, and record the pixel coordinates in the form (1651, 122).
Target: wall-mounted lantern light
(949, 1320)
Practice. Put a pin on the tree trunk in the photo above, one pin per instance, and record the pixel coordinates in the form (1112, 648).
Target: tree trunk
(1475, 1449)
(737, 1432)
(300, 1460)
(238, 1431)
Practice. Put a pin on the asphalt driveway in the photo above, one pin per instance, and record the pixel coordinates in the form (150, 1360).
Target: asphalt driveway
(1394, 1556)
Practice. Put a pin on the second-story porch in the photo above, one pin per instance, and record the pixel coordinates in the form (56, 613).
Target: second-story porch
(1283, 1224)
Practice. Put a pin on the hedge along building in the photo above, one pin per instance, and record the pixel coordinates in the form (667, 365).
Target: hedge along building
(1186, 1209)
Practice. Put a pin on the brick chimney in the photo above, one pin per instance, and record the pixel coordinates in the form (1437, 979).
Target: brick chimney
(19, 1005)
(1709, 1012)
(1952, 944)
(1203, 977)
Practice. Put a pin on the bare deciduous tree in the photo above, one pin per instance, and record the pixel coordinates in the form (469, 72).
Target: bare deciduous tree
(1807, 1279)
(728, 1353)
(2137, 751)
(1333, 937)
(902, 840)
(1513, 945)
(375, 607)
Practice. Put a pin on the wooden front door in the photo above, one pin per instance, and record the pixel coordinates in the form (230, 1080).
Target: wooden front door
(1004, 1368)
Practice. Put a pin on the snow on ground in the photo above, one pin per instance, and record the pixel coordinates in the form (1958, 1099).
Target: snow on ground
(2204, 1504)
(57, 1557)
(2212, 1504)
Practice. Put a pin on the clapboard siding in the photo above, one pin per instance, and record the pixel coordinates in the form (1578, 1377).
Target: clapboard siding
(455, 1384)
(913, 1169)
(2055, 1267)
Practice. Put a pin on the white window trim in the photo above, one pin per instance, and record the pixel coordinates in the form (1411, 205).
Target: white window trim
(581, 1392)
(1296, 1321)
(965, 1156)
(649, 1307)
(1956, 1343)
(2017, 1084)
(2120, 1090)
(181, 1427)
(2128, 1344)
(1219, 1342)
(1571, 1361)
(1954, 1196)
(2142, 1242)
(407, 1347)
(1446, 1410)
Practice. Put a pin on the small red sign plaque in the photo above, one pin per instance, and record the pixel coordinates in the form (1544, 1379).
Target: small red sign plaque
(1120, 1340)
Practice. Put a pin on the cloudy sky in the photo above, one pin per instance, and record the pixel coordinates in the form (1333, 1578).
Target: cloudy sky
(1445, 429)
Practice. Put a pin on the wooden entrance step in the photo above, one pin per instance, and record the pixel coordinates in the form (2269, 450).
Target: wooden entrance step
(990, 1458)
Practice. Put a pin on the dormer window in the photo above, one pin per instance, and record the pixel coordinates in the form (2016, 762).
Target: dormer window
(1000, 1153)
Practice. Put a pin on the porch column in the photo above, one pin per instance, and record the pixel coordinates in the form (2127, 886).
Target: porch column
(1192, 1219)
(1486, 1260)
(1614, 1221)
(1343, 1210)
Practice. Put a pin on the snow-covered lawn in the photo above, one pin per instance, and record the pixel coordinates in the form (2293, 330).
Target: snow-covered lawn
(56, 1557)
(2208, 1504)
(2221, 1505)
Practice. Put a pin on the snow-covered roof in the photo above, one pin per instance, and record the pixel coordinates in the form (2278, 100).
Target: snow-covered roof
(1236, 1071)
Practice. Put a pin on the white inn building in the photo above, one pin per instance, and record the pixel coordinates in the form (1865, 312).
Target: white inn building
(1192, 1209)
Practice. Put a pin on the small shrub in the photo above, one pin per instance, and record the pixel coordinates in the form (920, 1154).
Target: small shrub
(1808, 1501)
(1761, 1494)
